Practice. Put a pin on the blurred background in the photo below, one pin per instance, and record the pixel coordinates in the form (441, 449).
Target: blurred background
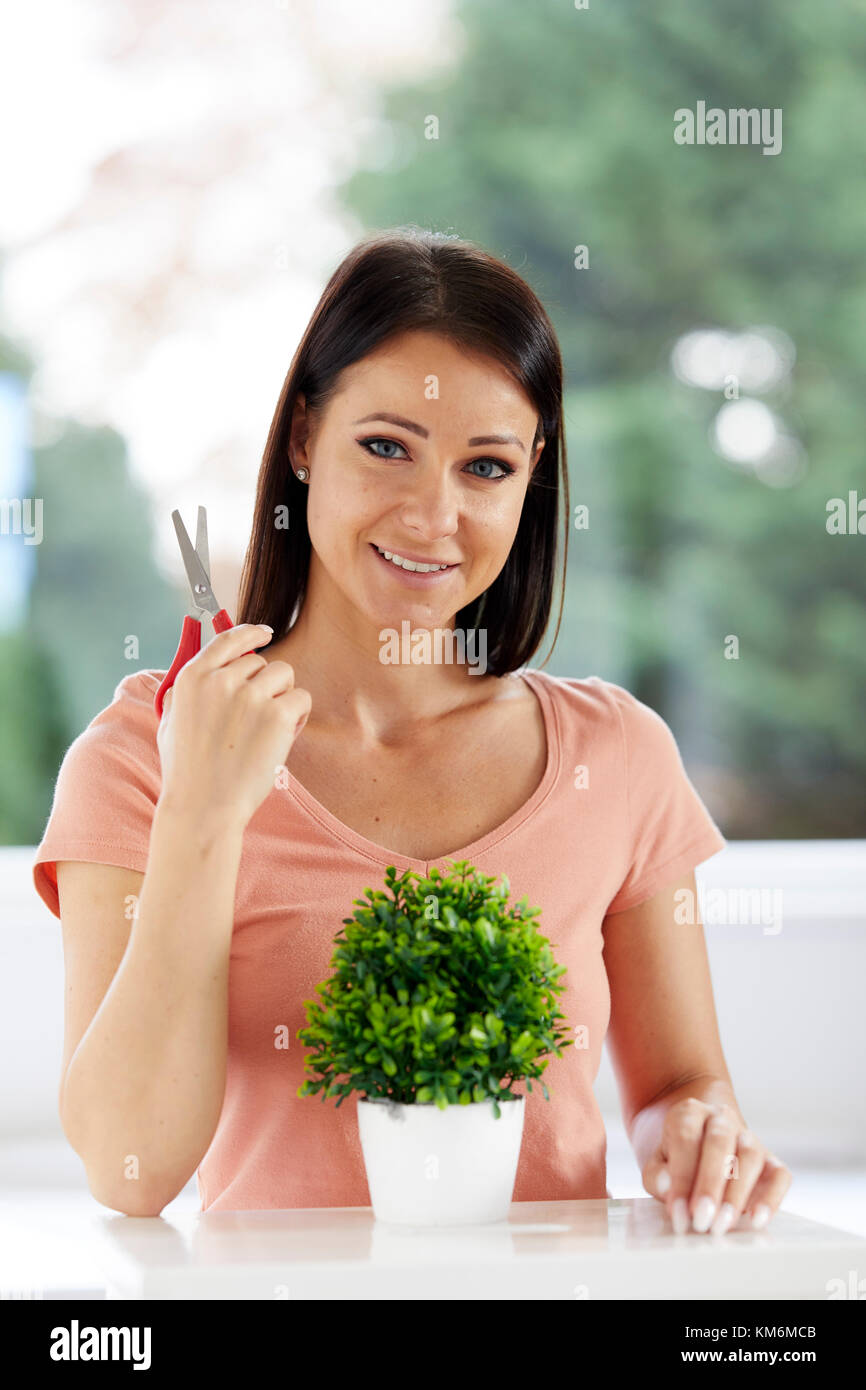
(179, 181)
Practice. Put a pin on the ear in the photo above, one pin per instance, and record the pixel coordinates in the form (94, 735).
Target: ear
(537, 455)
(299, 433)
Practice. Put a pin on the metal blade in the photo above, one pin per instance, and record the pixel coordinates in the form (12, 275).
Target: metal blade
(199, 580)
(201, 548)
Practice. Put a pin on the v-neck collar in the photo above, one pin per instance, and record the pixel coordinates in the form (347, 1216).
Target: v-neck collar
(537, 682)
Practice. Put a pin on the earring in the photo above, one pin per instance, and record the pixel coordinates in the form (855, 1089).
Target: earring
(303, 474)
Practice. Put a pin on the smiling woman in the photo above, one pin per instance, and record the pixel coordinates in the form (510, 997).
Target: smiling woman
(449, 346)
(286, 779)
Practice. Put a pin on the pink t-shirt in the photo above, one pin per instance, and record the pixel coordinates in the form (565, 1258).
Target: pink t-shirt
(585, 844)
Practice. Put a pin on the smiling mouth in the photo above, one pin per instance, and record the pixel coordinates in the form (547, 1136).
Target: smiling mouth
(410, 566)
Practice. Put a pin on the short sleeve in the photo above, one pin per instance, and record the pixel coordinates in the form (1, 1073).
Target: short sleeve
(106, 789)
(670, 830)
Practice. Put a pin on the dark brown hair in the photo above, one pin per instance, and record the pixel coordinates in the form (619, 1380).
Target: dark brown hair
(393, 282)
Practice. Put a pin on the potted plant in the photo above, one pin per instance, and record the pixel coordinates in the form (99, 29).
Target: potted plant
(442, 998)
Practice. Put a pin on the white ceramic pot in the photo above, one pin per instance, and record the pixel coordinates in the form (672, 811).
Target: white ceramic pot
(432, 1167)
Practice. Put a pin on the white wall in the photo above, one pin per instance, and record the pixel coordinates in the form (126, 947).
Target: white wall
(790, 1003)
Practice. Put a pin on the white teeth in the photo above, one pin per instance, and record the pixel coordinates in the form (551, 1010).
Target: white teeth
(410, 564)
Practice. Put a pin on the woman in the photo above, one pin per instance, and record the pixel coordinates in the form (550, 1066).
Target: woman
(203, 865)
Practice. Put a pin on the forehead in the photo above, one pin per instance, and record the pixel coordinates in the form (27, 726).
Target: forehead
(424, 368)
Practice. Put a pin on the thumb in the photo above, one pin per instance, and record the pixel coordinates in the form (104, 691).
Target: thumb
(656, 1177)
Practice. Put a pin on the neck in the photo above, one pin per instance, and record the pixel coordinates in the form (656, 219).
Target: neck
(373, 689)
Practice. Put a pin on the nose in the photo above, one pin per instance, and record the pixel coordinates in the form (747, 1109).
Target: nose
(430, 508)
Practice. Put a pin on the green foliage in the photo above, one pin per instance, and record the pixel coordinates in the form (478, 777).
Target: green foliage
(441, 993)
(556, 130)
(97, 582)
(96, 585)
(33, 736)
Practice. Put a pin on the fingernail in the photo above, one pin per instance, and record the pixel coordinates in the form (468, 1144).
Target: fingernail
(663, 1182)
(724, 1219)
(680, 1216)
(761, 1216)
(704, 1212)
(267, 627)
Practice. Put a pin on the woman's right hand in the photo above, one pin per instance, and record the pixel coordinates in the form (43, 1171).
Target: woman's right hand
(228, 723)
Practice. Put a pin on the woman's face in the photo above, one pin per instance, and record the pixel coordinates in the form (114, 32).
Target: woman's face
(428, 484)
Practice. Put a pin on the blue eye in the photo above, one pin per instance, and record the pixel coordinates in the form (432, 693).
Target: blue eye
(377, 439)
(505, 468)
(495, 463)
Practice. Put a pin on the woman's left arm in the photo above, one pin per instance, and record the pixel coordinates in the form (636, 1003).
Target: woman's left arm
(693, 1146)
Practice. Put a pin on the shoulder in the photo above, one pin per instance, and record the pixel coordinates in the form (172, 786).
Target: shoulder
(601, 709)
(132, 703)
(598, 699)
(106, 788)
(124, 732)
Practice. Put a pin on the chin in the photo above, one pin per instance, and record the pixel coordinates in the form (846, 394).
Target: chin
(415, 614)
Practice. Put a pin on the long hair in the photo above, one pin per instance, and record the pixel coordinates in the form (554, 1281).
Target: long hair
(392, 282)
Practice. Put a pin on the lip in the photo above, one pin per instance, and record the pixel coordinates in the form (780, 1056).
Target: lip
(417, 559)
(412, 578)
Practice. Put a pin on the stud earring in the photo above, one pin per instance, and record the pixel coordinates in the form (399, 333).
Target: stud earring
(303, 474)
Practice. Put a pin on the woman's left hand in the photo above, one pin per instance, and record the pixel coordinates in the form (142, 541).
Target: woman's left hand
(709, 1169)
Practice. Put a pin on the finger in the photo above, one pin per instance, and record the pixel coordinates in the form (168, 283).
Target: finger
(234, 642)
(743, 1172)
(298, 703)
(655, 1176)
(769, 1191)
(682, 1134)
(274, 678)
(717, 1157)
(166, 708)
(242, 669)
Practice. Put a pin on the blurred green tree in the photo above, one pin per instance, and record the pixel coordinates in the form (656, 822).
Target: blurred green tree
(96, 585)
(556, 131)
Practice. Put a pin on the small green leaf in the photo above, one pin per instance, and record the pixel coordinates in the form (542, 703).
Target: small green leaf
(458, 1000)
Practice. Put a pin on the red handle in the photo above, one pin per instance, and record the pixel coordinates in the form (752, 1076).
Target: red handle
(188, 647)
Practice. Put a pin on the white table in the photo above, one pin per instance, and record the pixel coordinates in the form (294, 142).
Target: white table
(621, 1248)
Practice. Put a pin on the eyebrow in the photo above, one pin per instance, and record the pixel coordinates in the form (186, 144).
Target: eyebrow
(425, 434)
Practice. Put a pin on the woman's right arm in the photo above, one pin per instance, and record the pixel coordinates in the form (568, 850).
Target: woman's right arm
(143, 1088)
(144, 1063)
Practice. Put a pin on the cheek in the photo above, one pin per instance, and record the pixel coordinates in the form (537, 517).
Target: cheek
(497, 526)
(337, 515)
